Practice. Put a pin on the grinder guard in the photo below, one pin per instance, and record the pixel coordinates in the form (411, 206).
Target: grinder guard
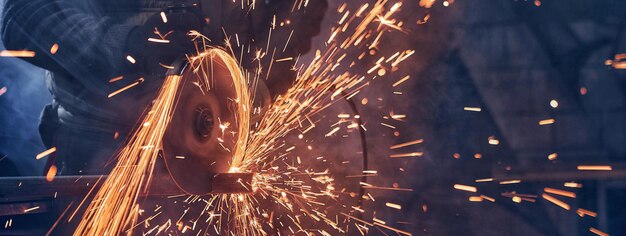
(199, 141)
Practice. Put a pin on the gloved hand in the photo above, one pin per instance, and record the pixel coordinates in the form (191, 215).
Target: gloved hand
(158, 42)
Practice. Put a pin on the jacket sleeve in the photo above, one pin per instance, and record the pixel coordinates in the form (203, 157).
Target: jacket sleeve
(90, 47)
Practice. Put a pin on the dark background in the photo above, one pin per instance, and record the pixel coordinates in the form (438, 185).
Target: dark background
(20, 106)
(511, 58)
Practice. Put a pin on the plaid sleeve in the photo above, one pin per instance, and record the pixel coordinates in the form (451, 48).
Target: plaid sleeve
(90, 47)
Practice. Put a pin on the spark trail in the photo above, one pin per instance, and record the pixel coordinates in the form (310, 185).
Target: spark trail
(298, 189)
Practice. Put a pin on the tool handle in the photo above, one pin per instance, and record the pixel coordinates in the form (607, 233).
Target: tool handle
(179, 65)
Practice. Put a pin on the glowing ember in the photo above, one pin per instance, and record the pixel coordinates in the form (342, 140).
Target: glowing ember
(163, 17)
(560, 192)
(475, 109)
(393, 205)
(131, 59)
(484, 180)
(52, 171)
(573, 185)
(465, 188)
(493, 141)
(164, 41)
(556, 201)
(596, 168)
(475, 199)
(54, 49)
(418, 141)
(547, 122)
(515, 181)
(552, 156)
(597, 231)
(31, 209)
(139, 81)
(554, 103)
(116, 79)
(12, 53)
(411, 154)
(46, 153)
(582, 213)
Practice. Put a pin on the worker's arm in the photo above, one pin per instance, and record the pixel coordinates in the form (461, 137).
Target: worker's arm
(92, 48)
(88, 45)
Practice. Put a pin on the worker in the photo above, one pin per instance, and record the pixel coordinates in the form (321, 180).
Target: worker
(92, 48)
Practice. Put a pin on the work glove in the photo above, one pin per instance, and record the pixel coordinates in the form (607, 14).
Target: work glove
(155, 45)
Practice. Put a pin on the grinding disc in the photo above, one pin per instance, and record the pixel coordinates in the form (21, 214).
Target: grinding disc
(200, 140)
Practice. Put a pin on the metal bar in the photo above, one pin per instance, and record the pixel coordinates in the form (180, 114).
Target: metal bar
(20, 188)
(26, 207)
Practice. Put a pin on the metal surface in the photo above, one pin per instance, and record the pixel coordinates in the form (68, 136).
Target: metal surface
(37, 186)
(30, 195)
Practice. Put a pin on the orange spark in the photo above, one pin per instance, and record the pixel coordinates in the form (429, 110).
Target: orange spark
(412, 154)
(465, 188)
(163, 41)
(515, 181)
(573, 185)
(393, 205)
(593, 167)
(284, 59)
(31, 209)
(426, 3)
(553, 156)
(483, 180)
(163, 17)
(597, 231)
(475, 199)
(493, 141)
(475, 109)
(116, 79)
(560, 192)
(54, 49)
(52, 171)
(131, 59)
(583, 212)
(401, 145)
(17, 53)
(547, 121)
(125, 88)
(488, 198)
(556, 201)
(46, 153)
